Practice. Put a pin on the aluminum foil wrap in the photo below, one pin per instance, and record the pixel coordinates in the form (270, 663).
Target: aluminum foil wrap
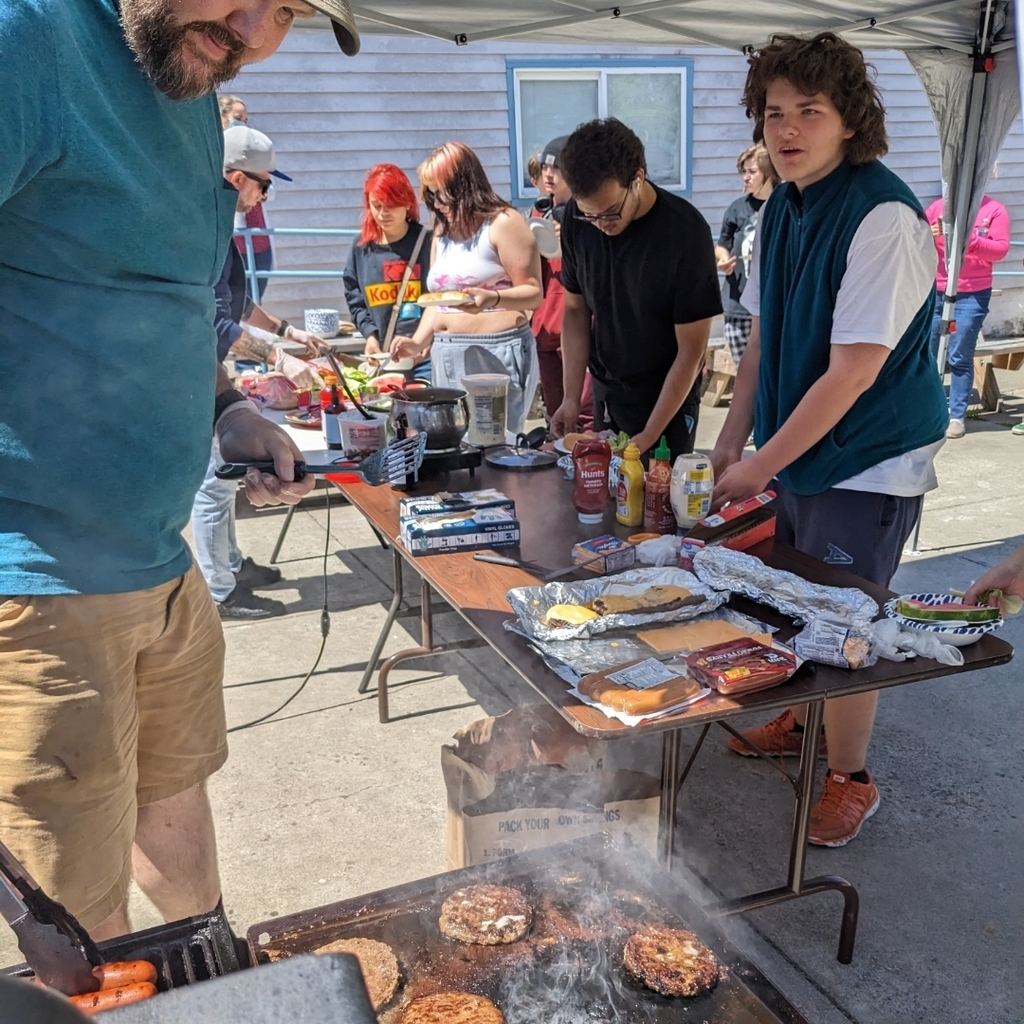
(792, 595)
(531, 603)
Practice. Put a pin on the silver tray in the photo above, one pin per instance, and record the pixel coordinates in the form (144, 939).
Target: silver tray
(531, 603)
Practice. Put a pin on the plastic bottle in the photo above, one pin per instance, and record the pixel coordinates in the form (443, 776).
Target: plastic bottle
(629, 504)
(591, 458)
(693, 480)
(658, 514)
(331, 420)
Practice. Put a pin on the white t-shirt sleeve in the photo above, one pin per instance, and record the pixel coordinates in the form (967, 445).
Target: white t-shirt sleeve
(890, 268)
(751, 297)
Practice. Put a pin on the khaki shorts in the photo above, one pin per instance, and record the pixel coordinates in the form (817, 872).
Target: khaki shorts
(107, 701)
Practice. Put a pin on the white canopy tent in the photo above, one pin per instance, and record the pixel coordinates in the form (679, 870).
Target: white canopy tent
(964, 52)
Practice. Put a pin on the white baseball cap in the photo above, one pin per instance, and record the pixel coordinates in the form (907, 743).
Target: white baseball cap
(246, 149)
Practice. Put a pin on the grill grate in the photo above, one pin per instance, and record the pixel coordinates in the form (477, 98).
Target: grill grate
(183, 952)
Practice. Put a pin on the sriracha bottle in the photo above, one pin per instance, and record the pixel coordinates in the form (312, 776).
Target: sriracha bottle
(658, 514)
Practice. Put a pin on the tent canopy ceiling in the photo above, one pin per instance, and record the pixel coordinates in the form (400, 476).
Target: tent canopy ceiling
(733, 24)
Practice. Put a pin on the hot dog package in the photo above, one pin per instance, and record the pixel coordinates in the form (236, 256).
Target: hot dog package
(742, 666)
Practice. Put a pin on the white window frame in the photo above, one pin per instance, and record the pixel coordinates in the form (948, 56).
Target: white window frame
(518, 71)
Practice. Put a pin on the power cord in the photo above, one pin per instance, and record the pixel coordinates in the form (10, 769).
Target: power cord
(325, 628)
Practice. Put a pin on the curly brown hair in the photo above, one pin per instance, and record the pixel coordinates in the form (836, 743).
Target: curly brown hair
(822, 64)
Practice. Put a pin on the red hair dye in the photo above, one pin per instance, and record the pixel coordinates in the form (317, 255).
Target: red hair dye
(389, 185)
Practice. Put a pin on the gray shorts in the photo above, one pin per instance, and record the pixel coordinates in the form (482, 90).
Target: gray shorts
(512, 352)
(856, 530)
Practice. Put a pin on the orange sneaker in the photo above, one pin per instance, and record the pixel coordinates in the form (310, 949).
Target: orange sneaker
(777, 738)
(844, 806)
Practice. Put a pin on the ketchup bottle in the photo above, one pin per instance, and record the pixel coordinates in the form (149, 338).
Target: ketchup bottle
(591, 458)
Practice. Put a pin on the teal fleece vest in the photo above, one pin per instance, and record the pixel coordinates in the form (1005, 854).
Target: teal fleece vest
(804, 240)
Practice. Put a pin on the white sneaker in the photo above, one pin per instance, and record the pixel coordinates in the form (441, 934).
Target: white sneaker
(956, 429)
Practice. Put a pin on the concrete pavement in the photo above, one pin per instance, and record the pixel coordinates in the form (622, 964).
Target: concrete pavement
(323, 802)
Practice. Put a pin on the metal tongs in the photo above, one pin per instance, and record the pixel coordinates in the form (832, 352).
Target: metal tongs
(393, 464)
(54, 944)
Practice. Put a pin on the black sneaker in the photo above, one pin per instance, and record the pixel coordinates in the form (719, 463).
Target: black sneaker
(252, 575)
(242, 603)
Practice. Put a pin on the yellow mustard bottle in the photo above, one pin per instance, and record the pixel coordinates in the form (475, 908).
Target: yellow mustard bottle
(629, 505)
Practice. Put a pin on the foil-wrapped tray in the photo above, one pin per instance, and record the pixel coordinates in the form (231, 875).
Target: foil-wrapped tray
(531, 603)
(740, 573)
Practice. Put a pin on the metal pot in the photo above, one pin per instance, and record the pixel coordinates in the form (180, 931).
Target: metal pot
(440, 413)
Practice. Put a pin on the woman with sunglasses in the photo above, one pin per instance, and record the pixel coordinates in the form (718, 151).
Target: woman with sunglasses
(482, 247)
(641, 287)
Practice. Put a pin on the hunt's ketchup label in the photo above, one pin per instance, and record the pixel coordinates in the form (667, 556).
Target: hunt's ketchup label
(590, 485)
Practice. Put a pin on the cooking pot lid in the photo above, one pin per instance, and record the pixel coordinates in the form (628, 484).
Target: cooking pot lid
(520, 459)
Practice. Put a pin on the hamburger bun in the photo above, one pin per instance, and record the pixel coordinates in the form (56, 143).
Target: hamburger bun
(454, 298)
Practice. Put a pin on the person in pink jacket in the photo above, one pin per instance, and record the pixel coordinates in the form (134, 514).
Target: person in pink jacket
(989, 243)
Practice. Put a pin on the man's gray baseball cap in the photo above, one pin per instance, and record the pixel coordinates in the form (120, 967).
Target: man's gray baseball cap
(342, 21)
(246, 149)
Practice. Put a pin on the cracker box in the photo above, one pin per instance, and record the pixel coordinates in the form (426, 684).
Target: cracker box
(612, 554)
(460, 531)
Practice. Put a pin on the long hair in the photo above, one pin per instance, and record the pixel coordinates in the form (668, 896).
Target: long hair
(453, 173)
(389, 185)
(827, 64)
(760, 155)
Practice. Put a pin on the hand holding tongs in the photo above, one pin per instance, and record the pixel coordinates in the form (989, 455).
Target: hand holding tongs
(55, 945)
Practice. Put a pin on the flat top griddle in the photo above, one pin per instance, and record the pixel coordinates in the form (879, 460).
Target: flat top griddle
(588, 896)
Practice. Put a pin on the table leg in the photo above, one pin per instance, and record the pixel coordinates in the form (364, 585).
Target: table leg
(396, 602)
(426, 647)
(798, 886)
(284, 532)
(671, 742)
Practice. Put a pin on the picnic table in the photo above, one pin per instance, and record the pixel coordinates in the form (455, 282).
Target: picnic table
(476, 590)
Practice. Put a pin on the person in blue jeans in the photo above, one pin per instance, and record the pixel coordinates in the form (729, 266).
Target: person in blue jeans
(988, 244)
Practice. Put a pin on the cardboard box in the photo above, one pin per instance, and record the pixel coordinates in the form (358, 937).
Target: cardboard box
(527, 779)
(460, 501)
(460, 531)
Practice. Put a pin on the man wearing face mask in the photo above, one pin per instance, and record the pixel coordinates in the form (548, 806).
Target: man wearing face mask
(115, 220)
(641, 287)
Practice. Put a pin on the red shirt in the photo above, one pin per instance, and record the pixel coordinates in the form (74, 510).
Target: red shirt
(255, 219)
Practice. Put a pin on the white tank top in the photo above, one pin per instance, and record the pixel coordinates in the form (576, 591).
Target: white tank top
(473, 263)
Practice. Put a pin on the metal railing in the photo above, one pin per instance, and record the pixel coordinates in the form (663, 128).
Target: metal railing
(250, 255)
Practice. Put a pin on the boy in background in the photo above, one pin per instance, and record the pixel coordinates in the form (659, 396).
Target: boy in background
(837, 381)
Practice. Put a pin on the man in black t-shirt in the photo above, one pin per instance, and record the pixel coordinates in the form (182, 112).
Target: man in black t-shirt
(638, 267)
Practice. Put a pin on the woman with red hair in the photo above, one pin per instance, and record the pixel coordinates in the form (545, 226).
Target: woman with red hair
(391, 238)
(481, 246)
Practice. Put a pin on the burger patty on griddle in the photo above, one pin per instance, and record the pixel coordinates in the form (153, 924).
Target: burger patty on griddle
(452, 1008)
(489, 915)
(671, 961)
(378, 963)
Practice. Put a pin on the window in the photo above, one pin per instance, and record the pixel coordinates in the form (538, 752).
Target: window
(550, 98)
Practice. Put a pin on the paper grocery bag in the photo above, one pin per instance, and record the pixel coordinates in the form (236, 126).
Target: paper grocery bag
(527, 779)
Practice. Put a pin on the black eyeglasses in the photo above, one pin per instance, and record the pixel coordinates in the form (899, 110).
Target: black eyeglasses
(264, 183)
(605, 218)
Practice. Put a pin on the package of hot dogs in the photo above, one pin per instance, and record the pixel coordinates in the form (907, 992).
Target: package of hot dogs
(742, 666)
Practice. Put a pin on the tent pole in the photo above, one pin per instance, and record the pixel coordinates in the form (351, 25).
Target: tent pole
(962, 190)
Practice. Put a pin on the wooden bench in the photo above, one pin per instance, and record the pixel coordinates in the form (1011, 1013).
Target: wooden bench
(723, 372)
(1000, 354)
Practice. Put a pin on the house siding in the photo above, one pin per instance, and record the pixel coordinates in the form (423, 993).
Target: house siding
(333, 117)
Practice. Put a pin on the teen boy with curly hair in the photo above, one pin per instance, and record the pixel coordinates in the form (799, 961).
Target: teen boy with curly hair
(837, 383)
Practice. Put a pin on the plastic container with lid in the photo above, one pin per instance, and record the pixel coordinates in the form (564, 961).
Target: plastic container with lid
(629, 503)
(488, 406)
(658, 515)
(591, 457)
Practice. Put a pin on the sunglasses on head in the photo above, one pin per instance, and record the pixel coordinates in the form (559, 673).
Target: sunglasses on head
(264, 183)
(605, 218)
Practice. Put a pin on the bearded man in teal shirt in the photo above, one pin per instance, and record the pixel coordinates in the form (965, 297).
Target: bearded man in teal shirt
(114, 224)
